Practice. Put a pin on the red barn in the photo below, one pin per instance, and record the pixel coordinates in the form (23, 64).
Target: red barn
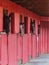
(28, 30)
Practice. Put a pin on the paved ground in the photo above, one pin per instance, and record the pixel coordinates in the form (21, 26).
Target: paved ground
(42, 60)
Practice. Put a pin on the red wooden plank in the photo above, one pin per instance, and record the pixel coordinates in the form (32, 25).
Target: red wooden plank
(16, 22)
(15, 19)
(45, 37)
(30, 44)
(1, 19)
(4, 59)
(0, 47)
(28, 24)
(19, 47)
(42, 37)
(40, 40)
(48, 39)
(25, 49)
(34, 46)
(12, 49)
(39, 44)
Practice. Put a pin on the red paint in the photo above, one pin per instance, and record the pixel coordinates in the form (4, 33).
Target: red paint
(30, 45)
(29, 25)
(44, 18)
(39, 44)
(0, 47)
(1, 19)
(20, 49)
(12, 49)
(16, 22)
(34, 46)
(25, 49)
(4, 55)
(17, 10)
(43, 39)
(48, 39)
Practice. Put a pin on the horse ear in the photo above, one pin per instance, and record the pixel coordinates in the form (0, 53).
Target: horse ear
(5, 12)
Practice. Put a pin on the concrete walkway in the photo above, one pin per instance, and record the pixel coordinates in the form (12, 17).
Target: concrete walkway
(42, 60)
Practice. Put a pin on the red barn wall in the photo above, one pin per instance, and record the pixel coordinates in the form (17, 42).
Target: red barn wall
(43, 42)
(18, 10)
(11, 7)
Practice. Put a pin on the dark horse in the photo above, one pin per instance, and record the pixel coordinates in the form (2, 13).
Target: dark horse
(6, 23)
